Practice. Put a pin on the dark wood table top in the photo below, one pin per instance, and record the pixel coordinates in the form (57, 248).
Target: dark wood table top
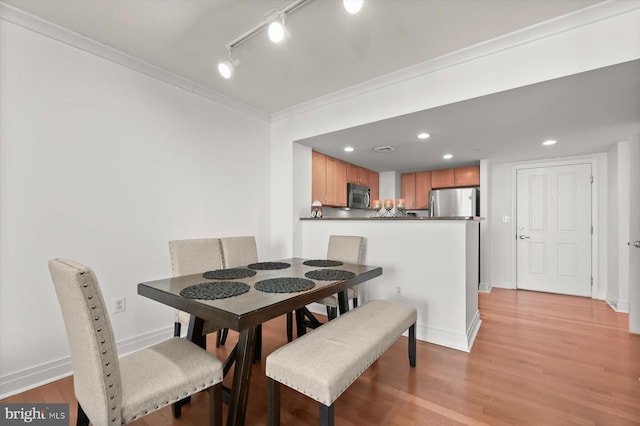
(253, 307)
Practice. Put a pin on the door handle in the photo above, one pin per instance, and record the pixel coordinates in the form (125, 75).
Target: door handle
(522, 237)
(636, 244)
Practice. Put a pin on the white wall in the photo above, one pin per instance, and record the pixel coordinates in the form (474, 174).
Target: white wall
(545, 54)
(105, 165)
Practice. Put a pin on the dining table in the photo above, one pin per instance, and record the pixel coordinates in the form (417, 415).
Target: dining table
(251, 295)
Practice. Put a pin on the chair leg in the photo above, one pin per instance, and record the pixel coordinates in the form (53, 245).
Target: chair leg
(300, 325)
(176, 408)
(273, 402)
(215, 405)
(176, 329)
(355, 302)
(82, 419)
(332, 313)
(218, 338)
(412, 345)
(326, 415)
(225, 333)
(289, 326)
(258, 348)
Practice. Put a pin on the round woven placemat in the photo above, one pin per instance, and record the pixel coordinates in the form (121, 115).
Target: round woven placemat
(229, 274)
(319, 263)
(329, 274)
(215, 290)
(269, 266)
(284, 285)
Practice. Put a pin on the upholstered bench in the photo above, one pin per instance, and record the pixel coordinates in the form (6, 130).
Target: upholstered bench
(325, 362)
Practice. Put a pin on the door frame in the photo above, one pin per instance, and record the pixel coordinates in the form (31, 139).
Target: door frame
(597, 292)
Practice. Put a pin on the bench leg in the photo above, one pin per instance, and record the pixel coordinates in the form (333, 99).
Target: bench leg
(412, 345)
(326, 415)
(273, 402)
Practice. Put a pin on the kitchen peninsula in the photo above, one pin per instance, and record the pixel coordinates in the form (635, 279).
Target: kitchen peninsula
(429, 263)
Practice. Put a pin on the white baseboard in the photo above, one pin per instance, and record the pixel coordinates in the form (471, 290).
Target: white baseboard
(485, 287)
(29, 378)
(619, 306)
(503, 284)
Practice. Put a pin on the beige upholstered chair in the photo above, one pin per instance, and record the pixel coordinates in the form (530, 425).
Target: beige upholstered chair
(112, 391)
(238, 251)
(193, 257)
(345, 248)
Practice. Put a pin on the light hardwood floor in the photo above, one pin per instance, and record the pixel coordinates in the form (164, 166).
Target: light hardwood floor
(539, 359)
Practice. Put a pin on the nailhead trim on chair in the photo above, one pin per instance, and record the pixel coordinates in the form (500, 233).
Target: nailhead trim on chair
(107, 358)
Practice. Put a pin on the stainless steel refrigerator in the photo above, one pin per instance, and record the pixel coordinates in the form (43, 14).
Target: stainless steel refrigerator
(454, 202)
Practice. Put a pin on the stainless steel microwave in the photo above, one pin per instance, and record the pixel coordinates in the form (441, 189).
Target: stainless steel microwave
(358, 196)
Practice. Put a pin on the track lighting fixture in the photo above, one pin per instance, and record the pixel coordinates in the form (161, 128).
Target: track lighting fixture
(275, 29)
(352, 6)
(226, 68)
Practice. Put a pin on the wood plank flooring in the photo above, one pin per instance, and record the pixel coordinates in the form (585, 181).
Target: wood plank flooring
(539, 359)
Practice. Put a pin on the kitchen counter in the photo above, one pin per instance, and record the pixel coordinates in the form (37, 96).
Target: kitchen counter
(386, 219)
(429, 263)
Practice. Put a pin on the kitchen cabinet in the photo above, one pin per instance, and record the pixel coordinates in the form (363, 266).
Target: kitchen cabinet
(341, 183)
(423, 186)
(415, 189)
(328, 180)
(329, 177)
(374, 184)
(467, 176)
(318, 177)
(444, 178)
(358, 175)
(408, 189)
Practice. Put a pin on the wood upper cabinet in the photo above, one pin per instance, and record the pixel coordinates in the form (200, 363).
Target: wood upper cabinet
(331, 194)
(415, 189)
(423, 186)
(408, 189)
(318, 177)
(328, 180)
(357, 175)
(444, 178)
(467, 176)
(341, 183)
(374, 184)
(329, 177)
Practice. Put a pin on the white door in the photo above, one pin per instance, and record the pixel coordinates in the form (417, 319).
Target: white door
(634, 240)
(554, 229)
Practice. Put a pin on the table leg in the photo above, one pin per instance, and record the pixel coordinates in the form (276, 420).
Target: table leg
(194, 333)
(242, 377)
(343, 302)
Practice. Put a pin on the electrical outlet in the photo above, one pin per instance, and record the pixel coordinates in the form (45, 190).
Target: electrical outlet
(398, 290)
(119, 304)
(506, 219)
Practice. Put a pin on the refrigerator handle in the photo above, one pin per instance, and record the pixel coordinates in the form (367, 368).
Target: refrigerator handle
(432, 203)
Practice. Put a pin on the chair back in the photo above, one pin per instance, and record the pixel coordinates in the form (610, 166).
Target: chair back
(194, 256)
(238, 251)
(96, 372)
(345, 248)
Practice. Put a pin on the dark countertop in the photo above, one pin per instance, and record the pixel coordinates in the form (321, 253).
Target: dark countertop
(472, 218)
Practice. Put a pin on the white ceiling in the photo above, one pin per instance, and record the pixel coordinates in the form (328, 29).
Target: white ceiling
(329, 50)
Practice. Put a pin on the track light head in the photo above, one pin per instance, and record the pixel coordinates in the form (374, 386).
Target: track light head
(352, 6)
(276, 30)
(226, 68)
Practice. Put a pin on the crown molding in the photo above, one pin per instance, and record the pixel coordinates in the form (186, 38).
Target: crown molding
(564, 23)
(48, 29)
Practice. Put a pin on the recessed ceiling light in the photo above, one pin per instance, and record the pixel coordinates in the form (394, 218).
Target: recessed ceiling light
(549, 142)
(352, 6)
(423, 135)
(348, 148)
(447, 156)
